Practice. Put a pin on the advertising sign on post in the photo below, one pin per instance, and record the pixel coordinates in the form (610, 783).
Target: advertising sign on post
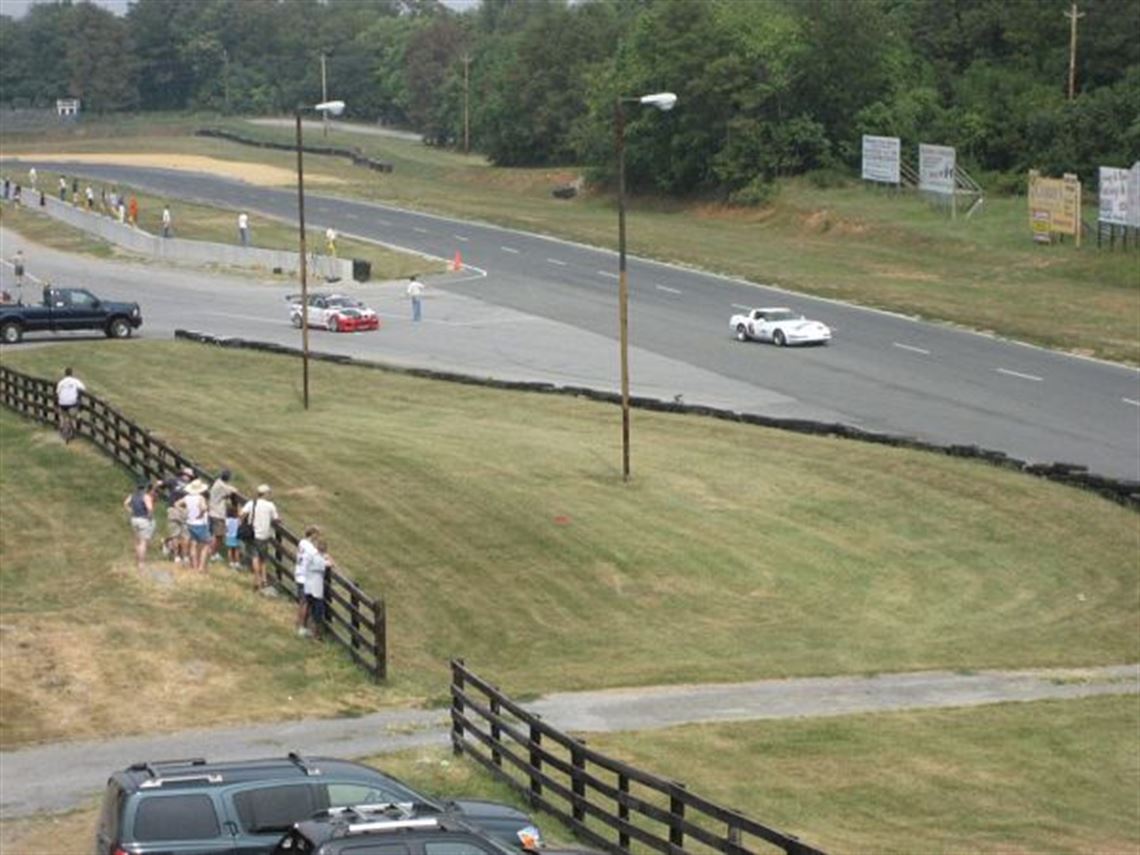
(1113, 195)
(881, 157)
(1058, 200)
(936, 168)
(1133, 196)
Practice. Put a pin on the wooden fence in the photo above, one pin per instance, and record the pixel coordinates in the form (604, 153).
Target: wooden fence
(609, 804)
(354, 619)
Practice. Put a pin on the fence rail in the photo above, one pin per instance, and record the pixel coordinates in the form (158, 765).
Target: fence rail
(354, 619)
(608, 803)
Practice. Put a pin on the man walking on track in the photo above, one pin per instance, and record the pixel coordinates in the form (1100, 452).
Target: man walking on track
(416, 291)
(243, 228)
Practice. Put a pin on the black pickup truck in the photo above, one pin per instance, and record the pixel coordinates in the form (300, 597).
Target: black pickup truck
(68, 309)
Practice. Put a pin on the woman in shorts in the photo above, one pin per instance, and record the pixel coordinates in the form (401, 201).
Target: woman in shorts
(140, 505)
(197, 522)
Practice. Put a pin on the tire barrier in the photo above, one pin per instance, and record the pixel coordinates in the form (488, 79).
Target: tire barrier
(355, 155)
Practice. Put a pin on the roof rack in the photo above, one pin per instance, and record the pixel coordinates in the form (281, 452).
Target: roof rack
(150, 766)
(300, 763)
(390, 810)
(392, 825)
(154, 782)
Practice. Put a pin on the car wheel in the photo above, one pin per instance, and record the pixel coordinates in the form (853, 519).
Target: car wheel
(118, 328)
(11, 333)
(296, 321)
(741, 333)
(780, 339)
(334, 325)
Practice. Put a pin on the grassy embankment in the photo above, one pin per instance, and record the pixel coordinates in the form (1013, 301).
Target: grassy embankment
(850, 243)
(739, 552)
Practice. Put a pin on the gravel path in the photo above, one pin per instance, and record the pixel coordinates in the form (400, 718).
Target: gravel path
(65, 776)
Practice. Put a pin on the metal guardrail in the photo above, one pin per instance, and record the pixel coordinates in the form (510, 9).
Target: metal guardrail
(354, 619)
(607, 803)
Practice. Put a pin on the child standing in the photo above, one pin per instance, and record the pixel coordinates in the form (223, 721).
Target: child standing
(233, 520)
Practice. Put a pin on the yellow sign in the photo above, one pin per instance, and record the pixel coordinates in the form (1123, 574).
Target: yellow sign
(1056, 201)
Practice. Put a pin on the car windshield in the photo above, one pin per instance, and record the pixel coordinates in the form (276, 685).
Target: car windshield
(345, 302)
(783, 316)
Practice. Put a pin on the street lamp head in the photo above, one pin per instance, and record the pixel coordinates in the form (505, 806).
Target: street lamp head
(334, 108)
(661, 100)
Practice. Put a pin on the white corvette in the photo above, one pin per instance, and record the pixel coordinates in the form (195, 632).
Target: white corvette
(779, 325)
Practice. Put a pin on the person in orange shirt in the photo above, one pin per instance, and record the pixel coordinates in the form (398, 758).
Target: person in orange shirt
(133, 210)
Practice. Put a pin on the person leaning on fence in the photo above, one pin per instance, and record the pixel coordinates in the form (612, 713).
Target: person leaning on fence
(174, 545)
(316, 566)
(305, 548)
(197, 522)
(220, 492)
(140, 505)
(261, 513)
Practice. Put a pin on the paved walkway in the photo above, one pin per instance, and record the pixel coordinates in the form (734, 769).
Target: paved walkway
(65, 776)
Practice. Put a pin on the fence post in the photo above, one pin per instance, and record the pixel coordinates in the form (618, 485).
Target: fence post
(677, 814)
(535, 763)
(380, 639)
(578, 782)
(496, 731)
(623, 811)
(355, 621)
(457, 706)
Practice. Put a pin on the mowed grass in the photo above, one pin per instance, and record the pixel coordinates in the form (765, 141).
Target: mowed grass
(1040, 778)
(496, 526)
(892, 251)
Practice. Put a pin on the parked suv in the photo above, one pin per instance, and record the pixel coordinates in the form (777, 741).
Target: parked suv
(390, 829)
(192, 807)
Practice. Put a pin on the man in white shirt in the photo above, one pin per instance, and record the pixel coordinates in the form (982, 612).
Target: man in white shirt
(262, 514)
(416, 292)
(67, 393)
(166, 221)
(243, 228)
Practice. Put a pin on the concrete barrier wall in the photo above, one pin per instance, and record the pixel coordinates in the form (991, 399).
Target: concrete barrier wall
(178, 249)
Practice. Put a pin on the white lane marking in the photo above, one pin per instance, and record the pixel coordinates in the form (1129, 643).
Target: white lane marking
(911, 348)
(607, 274)
(667, 290)
(1018, 374)
(1130, 401)
(419, 229)
(509, 249)
(463, 238)
(556, 261)
(742, 308)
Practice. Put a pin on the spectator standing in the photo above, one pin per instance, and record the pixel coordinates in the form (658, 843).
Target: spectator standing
(197, 523)
(32, 177)
(89, 195)
(133, 210)
(315, 568)
(17, 194)
(62, 188)
(166, 221)
(18, 271)
(243, 228)
(122, 210)
(330, 241)
(7, 187)
(220, 492)
(261, 514)
(75, 191)
(140, 505)
(305, 548)
(233, 542)
(67, 392)
(416, 292)
(174, 546)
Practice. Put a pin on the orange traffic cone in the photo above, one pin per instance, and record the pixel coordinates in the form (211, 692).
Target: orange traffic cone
(457, 264)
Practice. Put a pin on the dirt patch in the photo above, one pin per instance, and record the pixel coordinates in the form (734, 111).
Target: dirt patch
(733, 213)
(908, 274)
(824, 220)
(251, 173)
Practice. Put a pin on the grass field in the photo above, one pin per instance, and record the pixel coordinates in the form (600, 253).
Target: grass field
(850, 243)
(497, 527)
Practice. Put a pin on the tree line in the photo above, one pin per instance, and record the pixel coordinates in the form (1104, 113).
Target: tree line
(766, 88)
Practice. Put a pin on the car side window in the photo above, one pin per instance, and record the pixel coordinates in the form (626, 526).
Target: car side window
(455, 847)
(275, 809)
(343, 795)
(185, 817)
(366, 847)
(79, 298)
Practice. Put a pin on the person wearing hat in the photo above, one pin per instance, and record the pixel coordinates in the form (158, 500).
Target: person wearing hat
(220, 492)
(261, 513)
(197, 522)
(140, 505)
(176, 544)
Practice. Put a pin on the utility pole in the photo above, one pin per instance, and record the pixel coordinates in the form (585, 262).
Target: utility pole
(1073, 15)
(226, 79)
(324, 94)
(466, 103)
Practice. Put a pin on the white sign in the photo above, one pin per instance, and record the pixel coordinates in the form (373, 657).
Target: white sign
(936, 168)
(1133, 196)
(881, 159)
(1113, 187)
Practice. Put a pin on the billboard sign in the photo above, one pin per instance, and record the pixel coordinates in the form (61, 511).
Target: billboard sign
(1057, 200)
(881, 157)
(1113, 195)
(936, 168)
(1132, 216)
